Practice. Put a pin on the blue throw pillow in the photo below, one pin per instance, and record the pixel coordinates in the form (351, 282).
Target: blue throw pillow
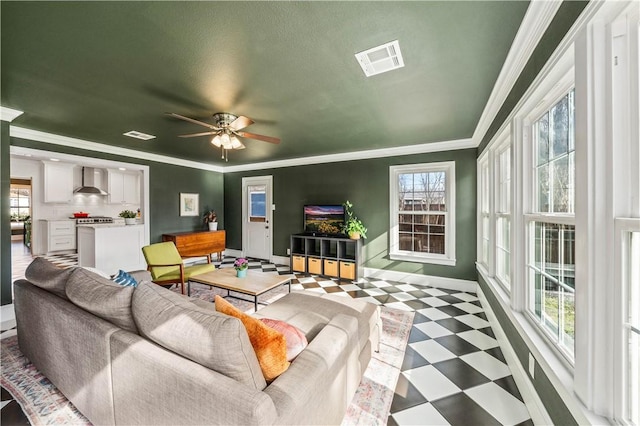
(125, 279)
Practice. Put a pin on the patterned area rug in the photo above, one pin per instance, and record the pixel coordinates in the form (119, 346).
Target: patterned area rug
(43, 404)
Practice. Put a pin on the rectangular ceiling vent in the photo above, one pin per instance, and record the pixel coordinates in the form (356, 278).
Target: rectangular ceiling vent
(381, 59)
(139, 135)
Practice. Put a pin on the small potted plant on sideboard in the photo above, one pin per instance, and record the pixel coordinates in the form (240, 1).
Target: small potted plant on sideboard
(211, 220)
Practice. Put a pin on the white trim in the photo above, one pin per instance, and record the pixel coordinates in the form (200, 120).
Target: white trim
(358, 155)
(535, 22)
(537, 410)
(9, 114)
(430, 280)
(546, 358)
(36, 135)
(280, 260)
(431, 259)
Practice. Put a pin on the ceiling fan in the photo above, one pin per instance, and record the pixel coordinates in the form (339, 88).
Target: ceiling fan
(226, 130)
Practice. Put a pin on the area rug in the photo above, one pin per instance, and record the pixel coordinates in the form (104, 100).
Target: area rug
(43, 404)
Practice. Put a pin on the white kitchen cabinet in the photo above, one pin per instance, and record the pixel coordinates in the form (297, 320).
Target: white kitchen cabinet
(59, 235)
(110, 247)
(58, 182)
(124, 188)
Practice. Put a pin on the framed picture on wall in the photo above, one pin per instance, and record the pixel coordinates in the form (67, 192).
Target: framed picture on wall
(189, 204)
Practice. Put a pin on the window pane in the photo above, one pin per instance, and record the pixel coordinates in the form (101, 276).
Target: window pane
(560, 135)
(542, 138)
(503, 255)
(633, 350)
(257, 201)
(561, 194)
(553, 275)
(555, 169)
(543, 189)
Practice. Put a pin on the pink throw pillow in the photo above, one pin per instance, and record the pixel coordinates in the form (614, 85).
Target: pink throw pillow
(296, 340)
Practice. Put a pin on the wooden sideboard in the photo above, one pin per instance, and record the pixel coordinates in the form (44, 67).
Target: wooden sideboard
(199, 243)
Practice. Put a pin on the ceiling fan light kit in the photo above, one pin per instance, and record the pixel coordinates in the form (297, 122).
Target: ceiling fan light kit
(225, 131)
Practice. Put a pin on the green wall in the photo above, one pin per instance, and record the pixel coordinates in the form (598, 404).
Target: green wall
(366, 184)
(166, 182)
(552, 401)
(5, 224)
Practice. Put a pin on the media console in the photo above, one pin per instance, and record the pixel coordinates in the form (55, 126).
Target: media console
(338, 257)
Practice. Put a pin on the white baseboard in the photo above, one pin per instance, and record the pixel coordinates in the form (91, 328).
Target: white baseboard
(232, 252)
(537, 410)
(433, 281)
(280, 260)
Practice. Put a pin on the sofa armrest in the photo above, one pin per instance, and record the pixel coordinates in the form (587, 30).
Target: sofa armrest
(152, 385)
(327, 371)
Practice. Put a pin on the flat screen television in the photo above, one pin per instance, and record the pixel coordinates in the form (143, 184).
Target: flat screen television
(324, 219)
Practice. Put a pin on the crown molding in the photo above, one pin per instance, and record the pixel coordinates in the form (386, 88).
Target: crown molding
(9, 114)
(36, 135)
(536, 21)
(357, 155)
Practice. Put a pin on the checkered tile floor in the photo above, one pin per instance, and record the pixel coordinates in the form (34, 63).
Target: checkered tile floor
(453, 371)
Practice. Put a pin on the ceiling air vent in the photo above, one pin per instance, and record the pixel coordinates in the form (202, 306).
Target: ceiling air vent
(381, 59)
(139, 135)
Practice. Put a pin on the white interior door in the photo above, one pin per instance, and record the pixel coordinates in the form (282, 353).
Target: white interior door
(257, 231)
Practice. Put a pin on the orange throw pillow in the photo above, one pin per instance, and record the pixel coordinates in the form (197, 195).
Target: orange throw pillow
(270, 345)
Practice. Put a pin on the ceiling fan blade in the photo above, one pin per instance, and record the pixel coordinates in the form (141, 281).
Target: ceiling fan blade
(241, 122)
(259, 137)
(193, 135)
(182, 117)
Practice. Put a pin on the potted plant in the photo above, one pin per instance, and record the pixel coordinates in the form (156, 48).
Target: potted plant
(241, 265)
(353, 226)
(129, 217)
(211, 219)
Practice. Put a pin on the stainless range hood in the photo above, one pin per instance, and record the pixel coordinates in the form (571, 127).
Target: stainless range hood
(88, 183)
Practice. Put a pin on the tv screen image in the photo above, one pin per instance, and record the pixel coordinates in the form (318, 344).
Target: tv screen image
(324, 219)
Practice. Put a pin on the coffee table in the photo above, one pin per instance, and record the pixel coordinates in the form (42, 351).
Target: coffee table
(254, 284)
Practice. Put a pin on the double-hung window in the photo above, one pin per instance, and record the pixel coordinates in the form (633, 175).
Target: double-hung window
(503, 213)
(551, 224)
(484, 248)
(423, 213)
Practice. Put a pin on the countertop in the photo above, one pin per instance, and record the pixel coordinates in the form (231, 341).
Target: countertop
(106, 225)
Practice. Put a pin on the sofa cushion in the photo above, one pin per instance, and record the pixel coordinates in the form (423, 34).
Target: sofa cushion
(102, 297)
(48, 276)
(296, 341)
(209, 338)
(270, 345)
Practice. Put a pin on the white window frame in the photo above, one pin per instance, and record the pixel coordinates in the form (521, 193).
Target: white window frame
(448, 258)
(485, 257)
(563, 86)
(503, 144)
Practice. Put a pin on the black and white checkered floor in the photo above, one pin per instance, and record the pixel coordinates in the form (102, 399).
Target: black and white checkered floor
(453, 371)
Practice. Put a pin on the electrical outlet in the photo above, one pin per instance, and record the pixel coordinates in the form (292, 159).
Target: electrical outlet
(532, 365)
(288, 251)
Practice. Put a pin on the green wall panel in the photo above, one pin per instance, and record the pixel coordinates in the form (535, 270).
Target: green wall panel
(366, 184)
(5, 224)
(552, 401)
(166, 182)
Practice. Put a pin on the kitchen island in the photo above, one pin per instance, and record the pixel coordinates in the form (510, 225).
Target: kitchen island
(110, 247)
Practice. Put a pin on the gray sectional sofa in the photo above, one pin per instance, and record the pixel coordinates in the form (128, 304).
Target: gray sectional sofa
(147, 355)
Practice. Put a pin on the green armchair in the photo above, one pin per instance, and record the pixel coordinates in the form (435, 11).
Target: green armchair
(166, 267)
